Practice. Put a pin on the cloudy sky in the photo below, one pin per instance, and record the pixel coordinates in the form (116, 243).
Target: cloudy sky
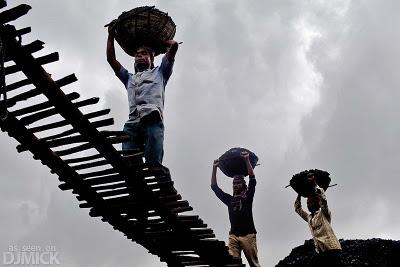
(303, 84)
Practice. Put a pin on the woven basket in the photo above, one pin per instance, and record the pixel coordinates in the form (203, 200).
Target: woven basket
(144, 26)
(302, 186)
(232, 163)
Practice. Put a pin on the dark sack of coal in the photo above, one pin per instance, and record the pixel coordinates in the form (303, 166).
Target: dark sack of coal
(232, 163)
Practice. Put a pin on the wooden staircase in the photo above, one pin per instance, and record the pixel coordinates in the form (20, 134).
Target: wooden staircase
(114, 185)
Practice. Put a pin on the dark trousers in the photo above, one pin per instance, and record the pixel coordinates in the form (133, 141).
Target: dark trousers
(329, 258)
(149, 132)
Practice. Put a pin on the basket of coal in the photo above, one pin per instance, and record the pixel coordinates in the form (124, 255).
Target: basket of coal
(232, 163)
(143, 26)
(301, 183)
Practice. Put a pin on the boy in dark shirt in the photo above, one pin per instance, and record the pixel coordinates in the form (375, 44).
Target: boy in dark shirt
(242, 235)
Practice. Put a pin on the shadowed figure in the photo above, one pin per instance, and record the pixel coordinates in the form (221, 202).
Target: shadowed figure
(146, 94)
(242, 235)
(326, 244)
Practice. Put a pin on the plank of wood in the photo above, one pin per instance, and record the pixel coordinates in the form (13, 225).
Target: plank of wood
(34, 46)
(23, 31)
(160, 185)
(177, 204)
(66, 80)
(66, 141)
(83, 159)
(34, 108)
(171, 197)
(73, 150)
(72, 131)
(62, 123)
(181, 209)
(114, 192)
(110, 186)
(103, 123)
(18, 84)
(29, 119)
(104, 180)
(118, 139)
(98, 173)
(43, 60)
(90, 165)
(14, 13)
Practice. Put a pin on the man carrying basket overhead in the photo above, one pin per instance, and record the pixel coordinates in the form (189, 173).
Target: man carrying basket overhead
(146, 94)
(327, 246)
(242, 235)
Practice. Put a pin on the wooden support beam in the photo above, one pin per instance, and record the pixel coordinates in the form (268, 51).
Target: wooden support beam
(167, 184)
(90, 165)
(66, 80)
(72, 131)
(50, 112)
(118, 139)
(13, 13)
(82, 159)
(66, 141)
(40, 60)
(171, 197)
(157, 179)
(43, 60)
(73, 150)
(177, 204)
(115, 185)
(98, 173)
(18, 84)
(103, 123)
(62, 123)
(180, 210)
(93, 181)
(37, 107)
(115, 192)
(33, 46)
(23, 31)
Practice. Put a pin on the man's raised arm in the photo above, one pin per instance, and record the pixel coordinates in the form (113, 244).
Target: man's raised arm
(224, 197)
(214, 173)
(111, 59)
(299, 210)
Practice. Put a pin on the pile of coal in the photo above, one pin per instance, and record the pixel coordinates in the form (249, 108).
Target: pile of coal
(304, 187)
(356, 253)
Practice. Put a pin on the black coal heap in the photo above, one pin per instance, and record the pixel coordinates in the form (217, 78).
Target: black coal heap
(356, 253)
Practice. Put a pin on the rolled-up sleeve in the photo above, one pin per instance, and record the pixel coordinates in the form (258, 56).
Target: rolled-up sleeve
(323, 203)
(166, 67)
(299, 210)
(123, 75)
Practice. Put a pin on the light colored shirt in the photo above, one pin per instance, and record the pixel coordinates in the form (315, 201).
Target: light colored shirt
(146, 89)
(320, 224)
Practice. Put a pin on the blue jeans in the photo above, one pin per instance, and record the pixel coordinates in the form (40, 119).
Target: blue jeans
(150, 134)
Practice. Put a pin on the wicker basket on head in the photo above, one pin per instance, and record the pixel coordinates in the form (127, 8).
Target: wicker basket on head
(144, 26)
